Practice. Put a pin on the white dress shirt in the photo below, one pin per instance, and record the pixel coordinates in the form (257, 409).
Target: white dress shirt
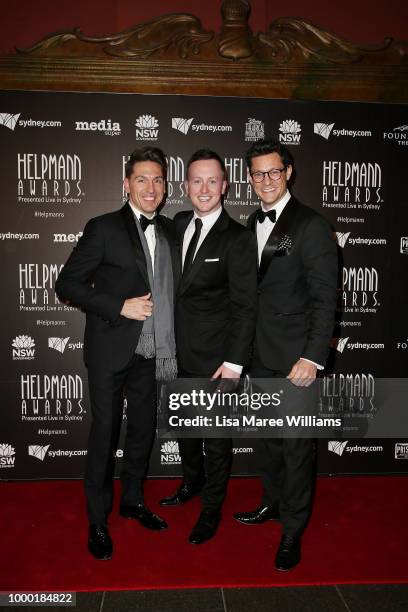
(150, 233)
(208, 222)
(263, 231)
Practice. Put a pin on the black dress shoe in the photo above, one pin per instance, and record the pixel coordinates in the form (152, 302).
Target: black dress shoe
(182, 495)
(288, 555)
(144, 516)
(99, 542)
(258, 516)
(205, 527)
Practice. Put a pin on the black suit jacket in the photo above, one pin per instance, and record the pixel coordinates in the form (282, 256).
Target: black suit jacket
(297, 289)
(106, 267)
(216, 301)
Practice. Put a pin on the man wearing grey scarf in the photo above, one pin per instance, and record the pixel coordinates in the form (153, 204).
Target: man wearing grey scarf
(123, 274)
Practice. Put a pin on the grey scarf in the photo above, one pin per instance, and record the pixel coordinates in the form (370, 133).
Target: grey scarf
(157, 337)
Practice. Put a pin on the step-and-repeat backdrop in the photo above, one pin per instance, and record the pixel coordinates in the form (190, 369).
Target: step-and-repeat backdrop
(62, 162)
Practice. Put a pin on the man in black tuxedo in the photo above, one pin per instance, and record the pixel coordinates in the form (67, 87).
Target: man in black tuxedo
(297, 283)
(215, 322)
(122, 274)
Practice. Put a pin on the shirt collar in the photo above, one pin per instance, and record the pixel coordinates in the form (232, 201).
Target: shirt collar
(280, 204)
(208, 220)
(138, 212)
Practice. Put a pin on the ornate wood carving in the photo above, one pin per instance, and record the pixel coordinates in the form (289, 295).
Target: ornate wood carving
(174, 54)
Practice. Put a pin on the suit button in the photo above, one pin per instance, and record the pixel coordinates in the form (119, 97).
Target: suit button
(259, 292)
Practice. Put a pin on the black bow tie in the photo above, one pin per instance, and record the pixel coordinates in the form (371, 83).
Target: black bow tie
(261, 215)
(145, 222)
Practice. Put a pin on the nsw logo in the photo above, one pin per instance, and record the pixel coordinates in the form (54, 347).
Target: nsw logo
(9, 121)
(23, 348)
(290, 132)
(37, 451)
(180, 124)
(170, 454)
(147, 127)
(7, 456)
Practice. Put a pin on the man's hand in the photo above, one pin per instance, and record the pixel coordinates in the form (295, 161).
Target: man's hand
(226, 386)
(224, 372)
(303, 373)
(138, 308)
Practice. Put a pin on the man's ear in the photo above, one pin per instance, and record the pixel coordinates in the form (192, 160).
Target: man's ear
(126, 185)
(289, 171)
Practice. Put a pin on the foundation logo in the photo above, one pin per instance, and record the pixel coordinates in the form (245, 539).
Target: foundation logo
(37, 451)
(290, 132)
(23, 348)
(147, 128)
(254, 130)
(399, 135)
(337, 447)
(49, 179)
(51, 398)
(170, 454)
(180, 124)
(9, 121)
(58, 344)
(105, 126)
(401, 450)
(404, 245)
(7, 456)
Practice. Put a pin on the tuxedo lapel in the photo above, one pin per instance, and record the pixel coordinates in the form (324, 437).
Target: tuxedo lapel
(206, 248)
(130, 223)
(281, 228)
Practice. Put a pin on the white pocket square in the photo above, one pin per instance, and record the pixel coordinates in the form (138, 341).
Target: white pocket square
(209, 260)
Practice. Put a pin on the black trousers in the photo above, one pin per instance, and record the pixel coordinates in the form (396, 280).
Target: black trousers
(208, 458)
(106, 390)
(287, 470)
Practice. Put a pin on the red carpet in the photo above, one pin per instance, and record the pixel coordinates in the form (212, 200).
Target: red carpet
(358, 534)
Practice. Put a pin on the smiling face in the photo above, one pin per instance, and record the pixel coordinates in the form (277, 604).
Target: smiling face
(146, 186)
(205, 185)
(269, 190)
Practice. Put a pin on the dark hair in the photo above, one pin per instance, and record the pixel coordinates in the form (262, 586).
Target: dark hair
(206, 154)
(265, 147)
(153, 154)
